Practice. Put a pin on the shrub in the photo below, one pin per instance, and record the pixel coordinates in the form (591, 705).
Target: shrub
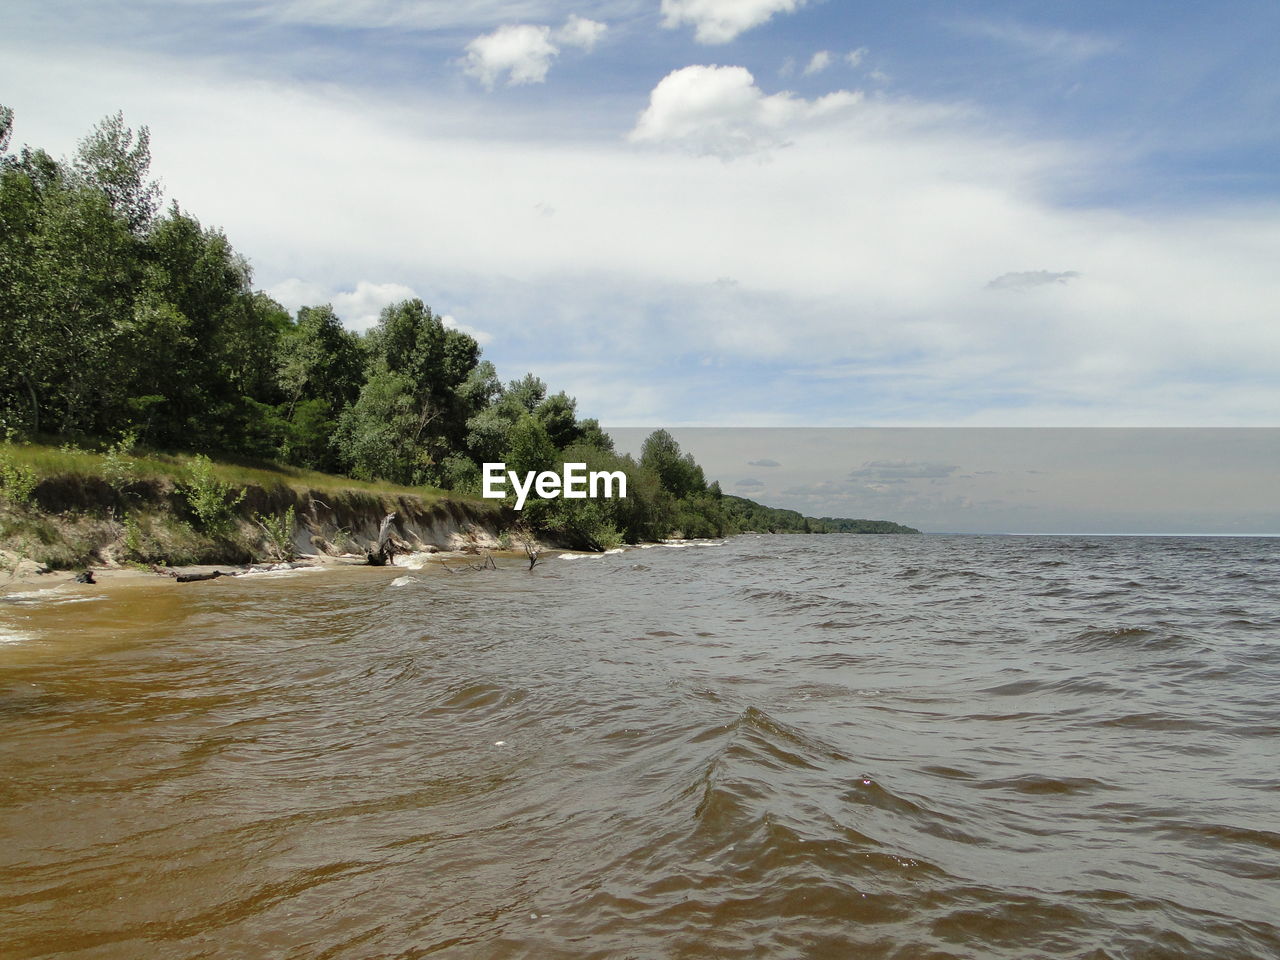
(210, 499)
(118, 468)
(17, 483)
(280, 531)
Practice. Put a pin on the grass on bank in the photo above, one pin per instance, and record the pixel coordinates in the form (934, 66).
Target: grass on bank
(46, 461)
(140, 524)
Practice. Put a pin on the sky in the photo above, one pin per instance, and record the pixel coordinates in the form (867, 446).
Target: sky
(734, 212)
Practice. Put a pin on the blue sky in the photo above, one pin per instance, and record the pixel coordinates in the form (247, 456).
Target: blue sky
(734, 212)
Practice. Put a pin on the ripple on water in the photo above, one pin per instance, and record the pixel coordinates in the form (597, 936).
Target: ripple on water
(829, 747)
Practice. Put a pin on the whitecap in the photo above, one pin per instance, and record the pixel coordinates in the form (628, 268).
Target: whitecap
(12, 636)
(279, 570)
(414, 561)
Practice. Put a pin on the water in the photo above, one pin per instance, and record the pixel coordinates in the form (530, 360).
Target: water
(778, 747)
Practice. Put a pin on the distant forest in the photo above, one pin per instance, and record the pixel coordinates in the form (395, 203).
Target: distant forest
(123, 321)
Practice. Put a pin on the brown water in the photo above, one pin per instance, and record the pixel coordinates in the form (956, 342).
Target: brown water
(790, 747)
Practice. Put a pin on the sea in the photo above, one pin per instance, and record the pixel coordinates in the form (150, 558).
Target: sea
(907, 747)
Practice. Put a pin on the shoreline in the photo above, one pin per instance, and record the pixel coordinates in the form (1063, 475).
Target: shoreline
(29, 577)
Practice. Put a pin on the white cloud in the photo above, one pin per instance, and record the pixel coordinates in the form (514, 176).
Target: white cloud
(294, 293)
(1046, 43)
(861, 252)
(480, 336)
(581, 32)
(719, 21)
(719, 111)
(818, 62)
(523, 52)
(358, 309)
(855, 57)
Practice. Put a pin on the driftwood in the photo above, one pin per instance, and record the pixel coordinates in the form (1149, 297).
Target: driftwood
(193, 577)
(477, 567)
(385, 550)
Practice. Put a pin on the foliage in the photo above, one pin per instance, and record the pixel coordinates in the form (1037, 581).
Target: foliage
(211, 500)
(280, 530)
(118, 467)
(17, 483)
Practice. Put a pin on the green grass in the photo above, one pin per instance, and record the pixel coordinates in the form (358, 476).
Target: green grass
(50, 461)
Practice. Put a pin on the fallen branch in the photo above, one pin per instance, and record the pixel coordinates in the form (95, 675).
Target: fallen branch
(385, 551)
(193, 577)
(475, 567)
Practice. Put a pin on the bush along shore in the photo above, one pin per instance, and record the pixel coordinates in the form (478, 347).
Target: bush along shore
(126, 330)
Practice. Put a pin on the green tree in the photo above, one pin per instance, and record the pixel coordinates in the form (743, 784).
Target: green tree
(115, 162)
(378, 436)
(679, 474)
(412, 342)
(524, 395)
(319, 374)
(529, 447)
(558, 416)
(589, 432)
(83, 273)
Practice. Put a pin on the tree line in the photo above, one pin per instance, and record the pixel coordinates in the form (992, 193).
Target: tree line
(120, 318)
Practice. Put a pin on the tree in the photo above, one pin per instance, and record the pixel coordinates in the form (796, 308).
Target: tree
(412, 342)
(6, 127)
(525, 394)
(529, 448)
(378, 437)
(318, 359)
(679, 474)
(557, 414)
(589, 432)
(114, 162)
(319, 374)
(84, 269)
(230, 337)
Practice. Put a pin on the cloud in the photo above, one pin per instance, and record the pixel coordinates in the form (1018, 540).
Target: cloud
(524, 52)
(581, 32)
(859, 236)
(719, 21)
(855, 57)
(818, 62)
(358, 309)
(750, 483)
(719, 111)
(1046, 43)
(890, 471)
(1029, 279)
(479, 336)
(763, 463)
